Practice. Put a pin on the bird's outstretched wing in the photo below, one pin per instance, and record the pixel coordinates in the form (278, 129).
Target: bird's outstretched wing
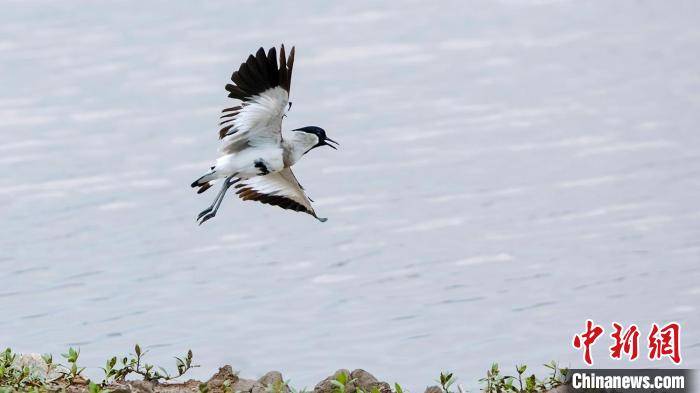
(280, 189)
(263, 88)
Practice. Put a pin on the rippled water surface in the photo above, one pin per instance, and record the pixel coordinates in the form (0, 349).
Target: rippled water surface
(507, 170)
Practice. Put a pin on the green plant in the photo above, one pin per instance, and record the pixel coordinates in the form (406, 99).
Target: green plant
(136, 365)
(497, 383)
(341, 382)
(50, 366)
(276, 387)
(558, 376)
(226, 387)
(373, 390)
(446, 381)
(14, 377)
(71, 372)
(17, 378)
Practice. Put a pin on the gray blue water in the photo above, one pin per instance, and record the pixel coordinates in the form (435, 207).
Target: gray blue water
(507, 170)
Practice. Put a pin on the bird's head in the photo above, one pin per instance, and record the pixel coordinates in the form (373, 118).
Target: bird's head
(319, 134)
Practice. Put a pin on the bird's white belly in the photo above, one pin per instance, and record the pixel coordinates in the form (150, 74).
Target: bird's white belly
(250, 162)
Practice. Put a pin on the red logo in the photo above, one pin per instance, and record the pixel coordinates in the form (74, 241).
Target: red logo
(588, 337)
(627, 343)
(663, 341)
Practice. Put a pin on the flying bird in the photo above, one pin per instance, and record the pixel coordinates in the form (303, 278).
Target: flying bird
(256, 156)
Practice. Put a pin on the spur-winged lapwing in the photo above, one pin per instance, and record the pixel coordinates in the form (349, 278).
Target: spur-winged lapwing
(256, 155)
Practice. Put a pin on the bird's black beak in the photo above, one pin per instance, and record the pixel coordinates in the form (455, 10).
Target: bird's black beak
(331, 140)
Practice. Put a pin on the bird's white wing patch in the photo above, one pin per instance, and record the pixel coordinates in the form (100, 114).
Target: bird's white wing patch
(263, 88)
(279, 189)
(258, 122)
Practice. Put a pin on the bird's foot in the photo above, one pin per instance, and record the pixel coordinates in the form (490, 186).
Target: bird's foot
(205, 212)
(206, 217)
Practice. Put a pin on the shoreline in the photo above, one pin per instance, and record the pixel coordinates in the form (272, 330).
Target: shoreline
(39, 373)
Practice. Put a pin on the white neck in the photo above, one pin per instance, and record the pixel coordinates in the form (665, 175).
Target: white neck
(296, 144)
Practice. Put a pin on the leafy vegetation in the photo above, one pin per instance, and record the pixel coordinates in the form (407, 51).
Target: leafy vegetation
(50, 376)
(115, 370)
(446, 381)
(343, 381)
(496, 383)
(15, 378)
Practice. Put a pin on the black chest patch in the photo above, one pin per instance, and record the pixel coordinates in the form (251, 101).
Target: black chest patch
(262, 166)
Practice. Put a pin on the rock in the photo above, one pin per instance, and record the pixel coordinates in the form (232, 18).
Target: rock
(189, 386)
(259, 388)
(79, 385)
(383, 387)
(216, 382)
(80, 380)
(326, 386)
(141, 386)
(120, 388)
(273, 381)
(433, 389)
(247, 385)
(566, 388)
(271, 378)
(37, 366)
(75, 389)
(359, 379)
(363, 379)
(367, 381)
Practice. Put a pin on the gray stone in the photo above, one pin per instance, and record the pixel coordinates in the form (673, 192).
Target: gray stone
(567, 388)
(274, 380)
(433, 389)
(259, 388)
(189, 386)
(271, 378)
(366, 381)
(141, 386)
(120, 388)
(326, 386)
(138, 386)
(363, 379)
(247, 385)
(226, 373)
(37, 366)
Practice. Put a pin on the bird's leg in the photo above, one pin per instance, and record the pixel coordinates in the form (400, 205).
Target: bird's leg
(210, 212)
(290, 106)
(218, 196)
